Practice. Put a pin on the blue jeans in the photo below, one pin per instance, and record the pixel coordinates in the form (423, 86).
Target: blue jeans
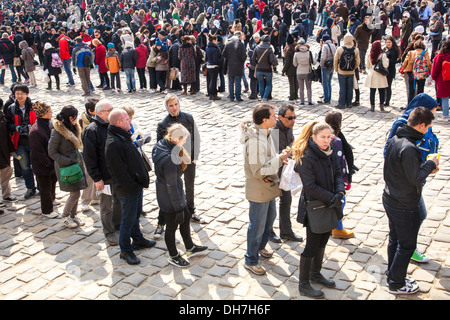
(131, 204)
(27, 173)
(262, 215)
(234, 82)
(264, 91)
(345, 89)
(131, 82)
(244, 78)
(327, 75)
(445, 104)
(13, 74)
(67, 68)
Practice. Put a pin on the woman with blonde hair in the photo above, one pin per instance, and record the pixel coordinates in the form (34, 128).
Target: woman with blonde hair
(318, 167)
(170, 160)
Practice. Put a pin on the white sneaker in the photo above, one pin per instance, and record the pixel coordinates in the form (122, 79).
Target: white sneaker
(78, 221)
(443, 119)
(85, 207)
(151, 90)
(52, 215)
(70, 223)
(408, 288)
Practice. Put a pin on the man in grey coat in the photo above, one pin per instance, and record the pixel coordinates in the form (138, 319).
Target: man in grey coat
(234, 55)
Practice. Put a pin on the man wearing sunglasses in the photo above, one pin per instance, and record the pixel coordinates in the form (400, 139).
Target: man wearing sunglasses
(285, 123)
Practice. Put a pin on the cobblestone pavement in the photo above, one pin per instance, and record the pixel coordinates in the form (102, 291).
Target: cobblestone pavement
(41, 259)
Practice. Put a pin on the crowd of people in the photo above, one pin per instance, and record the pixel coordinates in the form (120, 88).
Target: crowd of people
(98, 156)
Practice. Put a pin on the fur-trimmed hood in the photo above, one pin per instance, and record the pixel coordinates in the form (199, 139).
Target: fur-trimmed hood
(69, 135)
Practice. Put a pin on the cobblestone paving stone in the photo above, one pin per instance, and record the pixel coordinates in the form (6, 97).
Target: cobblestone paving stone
(41, 259)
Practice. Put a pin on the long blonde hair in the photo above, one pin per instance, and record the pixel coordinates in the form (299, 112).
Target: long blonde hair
(310, 129)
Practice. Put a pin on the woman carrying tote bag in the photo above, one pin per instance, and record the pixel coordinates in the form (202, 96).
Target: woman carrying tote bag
(65, 140)
(321, 197)
(377, 63)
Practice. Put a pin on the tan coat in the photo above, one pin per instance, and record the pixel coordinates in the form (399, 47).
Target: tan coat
(261, 163)
(375, 79)
(348, 42)
(408, 63)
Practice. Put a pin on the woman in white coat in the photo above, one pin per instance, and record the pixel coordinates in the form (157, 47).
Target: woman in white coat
(377, 63)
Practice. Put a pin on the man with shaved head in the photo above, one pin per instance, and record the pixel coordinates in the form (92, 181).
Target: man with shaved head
(130, 176)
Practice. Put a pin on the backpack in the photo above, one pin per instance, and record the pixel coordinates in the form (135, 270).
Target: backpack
(87, 60)
(347, 61)
(420, 68)
(446, 70)
(56, 60)
(428, 145)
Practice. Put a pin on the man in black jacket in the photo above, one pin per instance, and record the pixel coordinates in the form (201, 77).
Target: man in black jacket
(127, 168)
(234, 55)
(94, 140)
(175, 115)
(405, 175)
(285, 123)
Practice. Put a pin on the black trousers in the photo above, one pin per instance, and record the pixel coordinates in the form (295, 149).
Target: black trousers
(314, 242)
(171, 228)
(47, 185)
(142, 79)
(212, 81)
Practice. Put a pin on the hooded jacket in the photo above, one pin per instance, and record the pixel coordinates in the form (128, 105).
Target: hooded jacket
(187, 120)
(264, 61)
(302, 59)
(169, 185)
(421, 100)
(63, 149)
(27, 55)
(261, 163)
(403, 170)
(348, 42)
(442, 87)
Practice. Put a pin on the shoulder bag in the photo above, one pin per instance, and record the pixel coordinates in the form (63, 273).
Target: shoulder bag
(71, 174)
(379, 68)
(260, 59)
(321, 218)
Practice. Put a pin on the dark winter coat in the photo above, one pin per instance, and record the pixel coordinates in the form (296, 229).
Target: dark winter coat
(48, 62)
(94, 140)
(7, 51)
(321, 178)
(39, 135)
(403, 171)
(186, 54)
(124, 162)
(6, 146)
(169, 185)
(234, 55)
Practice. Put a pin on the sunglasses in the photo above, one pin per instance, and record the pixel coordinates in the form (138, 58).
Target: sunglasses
(291, 118)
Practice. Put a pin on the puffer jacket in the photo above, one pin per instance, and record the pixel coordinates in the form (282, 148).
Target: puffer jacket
(169, 185)
(261, 163)
(302, 58)
(321, 177)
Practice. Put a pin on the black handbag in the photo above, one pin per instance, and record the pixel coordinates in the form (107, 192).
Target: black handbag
(321, 218)
(380, 69)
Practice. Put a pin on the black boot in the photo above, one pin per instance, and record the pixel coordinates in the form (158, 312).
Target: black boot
(304, 286)
(315, 274)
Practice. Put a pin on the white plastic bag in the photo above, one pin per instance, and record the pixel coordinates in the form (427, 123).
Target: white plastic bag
(290, 180)
(45, 76)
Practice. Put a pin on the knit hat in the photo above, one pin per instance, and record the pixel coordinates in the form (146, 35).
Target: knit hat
(47, 46)
(41, 109)
(5, 35)
(290, 39)
(111, 45)
(419, 29)
(206, 30)
(158, 43)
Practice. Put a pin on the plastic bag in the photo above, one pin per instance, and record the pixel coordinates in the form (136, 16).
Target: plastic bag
(290, 180)
(45, 76)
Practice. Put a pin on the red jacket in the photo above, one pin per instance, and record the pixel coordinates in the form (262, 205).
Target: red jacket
(64, 52)
(100, 58)
(442, 87)
(142, 55)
